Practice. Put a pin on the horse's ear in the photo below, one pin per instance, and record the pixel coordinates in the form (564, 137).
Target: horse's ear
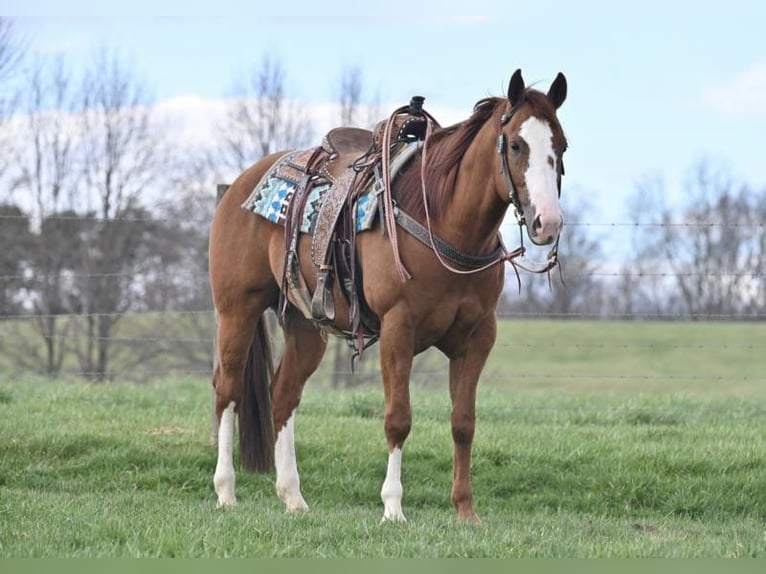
(516, 89)
(558, 92)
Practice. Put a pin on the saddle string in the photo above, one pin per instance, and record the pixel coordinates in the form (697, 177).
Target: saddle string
(388, 199)
(389, 211)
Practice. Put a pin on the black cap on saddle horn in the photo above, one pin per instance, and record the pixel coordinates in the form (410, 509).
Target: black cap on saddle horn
(416, 105)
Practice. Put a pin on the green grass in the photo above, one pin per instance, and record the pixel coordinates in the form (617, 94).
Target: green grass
(642, 440)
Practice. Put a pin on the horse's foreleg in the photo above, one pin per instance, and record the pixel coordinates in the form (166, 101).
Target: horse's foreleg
(464, 372)
(396, 349)
(304, 349)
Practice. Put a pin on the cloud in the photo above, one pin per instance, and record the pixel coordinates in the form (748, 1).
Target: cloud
(745, 96)
(191, 118)
(194, 119)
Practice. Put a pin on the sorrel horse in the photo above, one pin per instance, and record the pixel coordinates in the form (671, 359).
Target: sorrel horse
(508, 153)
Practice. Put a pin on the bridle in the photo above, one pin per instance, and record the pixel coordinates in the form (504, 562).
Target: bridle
(515, 201)
(445, 253)
(502, 149)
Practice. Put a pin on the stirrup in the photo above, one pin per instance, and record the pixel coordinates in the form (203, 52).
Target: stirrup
(323, 303)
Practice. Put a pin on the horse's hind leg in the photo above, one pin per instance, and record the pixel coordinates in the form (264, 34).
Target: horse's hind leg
(223, 479)
(303, 351)
(234, 337)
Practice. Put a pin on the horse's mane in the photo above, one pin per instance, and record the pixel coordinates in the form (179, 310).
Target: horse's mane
(445, 150)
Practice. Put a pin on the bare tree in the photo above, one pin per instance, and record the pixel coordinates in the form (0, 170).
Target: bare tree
(43, 172)
(11, 54)
(189, 221)
(123, 156)
(350, 98)
(644, 286)
(356, 109)
(11, 48)
(16, 239)
(715, 260)
(97, 251)
(123, 151)
(580, 291)
(757, 259)
(707, 253)
(44, 169)
(177, 279)
(260, 119)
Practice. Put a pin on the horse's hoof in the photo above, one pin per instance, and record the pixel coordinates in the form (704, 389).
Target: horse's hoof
(296, 505)
(470, 518)
(226, 502)
(395, 517)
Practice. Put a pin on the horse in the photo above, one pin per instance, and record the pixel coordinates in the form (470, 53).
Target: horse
(508, 155)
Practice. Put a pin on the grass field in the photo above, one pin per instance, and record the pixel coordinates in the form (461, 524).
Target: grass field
(593, 439)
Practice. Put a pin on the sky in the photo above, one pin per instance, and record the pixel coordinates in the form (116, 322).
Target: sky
(654, 87)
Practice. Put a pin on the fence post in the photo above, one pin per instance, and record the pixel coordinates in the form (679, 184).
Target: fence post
(220, 192)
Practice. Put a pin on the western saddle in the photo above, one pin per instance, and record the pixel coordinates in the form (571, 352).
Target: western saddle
(349, 160)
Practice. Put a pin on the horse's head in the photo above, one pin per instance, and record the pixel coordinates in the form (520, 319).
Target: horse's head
(532, 146)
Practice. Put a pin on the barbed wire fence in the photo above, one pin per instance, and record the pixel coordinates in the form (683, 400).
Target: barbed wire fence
(156, 344)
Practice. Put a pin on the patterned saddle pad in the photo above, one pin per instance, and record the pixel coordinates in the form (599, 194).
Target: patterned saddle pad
(271, 197)
(271, 200)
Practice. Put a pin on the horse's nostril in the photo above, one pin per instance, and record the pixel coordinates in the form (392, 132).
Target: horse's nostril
(537, 224)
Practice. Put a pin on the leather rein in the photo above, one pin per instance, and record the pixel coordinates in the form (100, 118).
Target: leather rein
(450, 257)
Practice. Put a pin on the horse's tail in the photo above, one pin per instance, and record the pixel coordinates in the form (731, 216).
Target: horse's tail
(256, 429)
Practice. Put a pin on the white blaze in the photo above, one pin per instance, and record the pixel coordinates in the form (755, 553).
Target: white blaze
(541, 174)
(223, 479)
(288, 481)
(391, 493)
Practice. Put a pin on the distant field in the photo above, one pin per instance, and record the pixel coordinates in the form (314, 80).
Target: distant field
(593, 439)
(629, 357)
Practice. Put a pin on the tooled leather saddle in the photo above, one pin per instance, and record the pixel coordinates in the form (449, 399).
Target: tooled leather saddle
(327, 181)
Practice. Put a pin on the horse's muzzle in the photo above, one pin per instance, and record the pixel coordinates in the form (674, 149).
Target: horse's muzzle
(544, 230)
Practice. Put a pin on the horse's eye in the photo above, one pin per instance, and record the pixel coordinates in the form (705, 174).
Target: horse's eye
(515, 147)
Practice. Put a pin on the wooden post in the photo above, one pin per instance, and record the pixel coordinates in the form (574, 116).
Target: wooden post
(220, 192)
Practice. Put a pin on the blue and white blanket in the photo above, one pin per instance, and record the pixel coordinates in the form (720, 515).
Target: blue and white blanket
(271, 197)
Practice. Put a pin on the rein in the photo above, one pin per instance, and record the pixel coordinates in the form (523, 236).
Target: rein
(450, 257)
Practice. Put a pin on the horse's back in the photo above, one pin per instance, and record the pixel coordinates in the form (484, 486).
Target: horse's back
(239, 242)
(242, 187)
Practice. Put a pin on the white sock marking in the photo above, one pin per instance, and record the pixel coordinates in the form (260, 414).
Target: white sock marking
(288, 481)
(391, 493)
(223, 479)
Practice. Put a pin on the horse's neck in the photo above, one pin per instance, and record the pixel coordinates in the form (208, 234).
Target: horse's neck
(472, 220)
